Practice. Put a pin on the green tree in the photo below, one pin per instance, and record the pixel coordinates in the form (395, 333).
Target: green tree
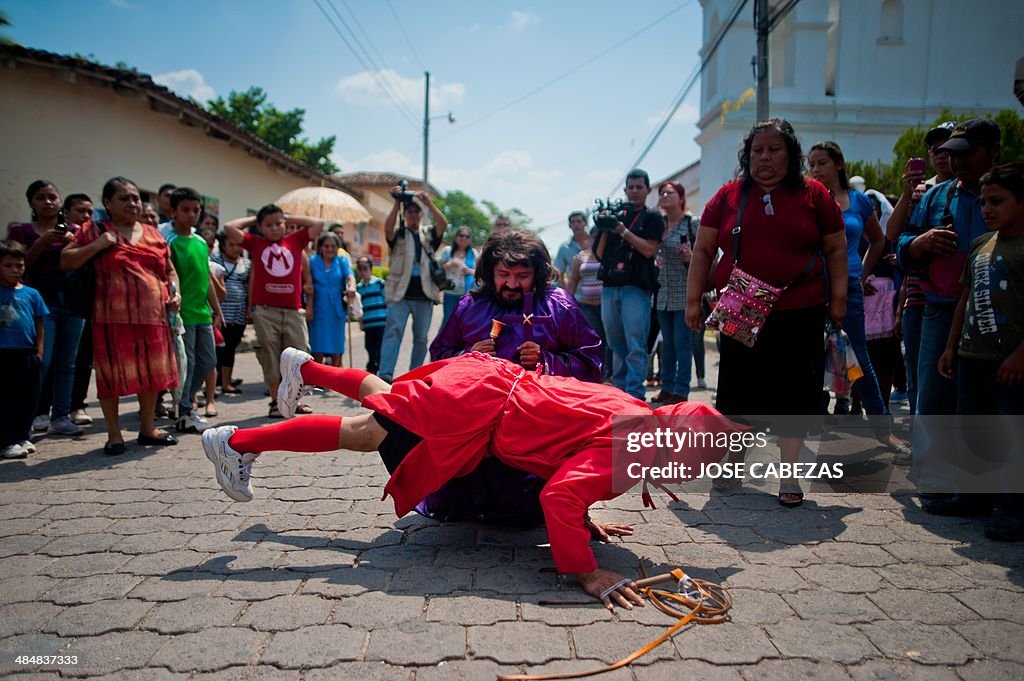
(886, 176)
(251, 112)
(462, 210)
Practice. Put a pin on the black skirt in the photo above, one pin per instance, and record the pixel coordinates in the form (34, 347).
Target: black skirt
(782, 375)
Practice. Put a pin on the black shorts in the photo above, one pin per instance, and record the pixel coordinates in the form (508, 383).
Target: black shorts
(397, 444)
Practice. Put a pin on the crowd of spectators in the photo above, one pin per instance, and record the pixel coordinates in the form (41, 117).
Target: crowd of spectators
(157, 297)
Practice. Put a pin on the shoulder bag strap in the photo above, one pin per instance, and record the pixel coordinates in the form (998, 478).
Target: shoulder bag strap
(737, 229)
(949, 197)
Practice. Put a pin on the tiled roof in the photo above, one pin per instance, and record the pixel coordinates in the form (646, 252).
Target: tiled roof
(163, 100)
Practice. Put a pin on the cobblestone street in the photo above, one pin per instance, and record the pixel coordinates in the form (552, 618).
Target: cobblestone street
(141, 568)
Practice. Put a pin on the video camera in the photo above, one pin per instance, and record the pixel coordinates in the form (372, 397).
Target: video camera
(608, 213)
(403, 194)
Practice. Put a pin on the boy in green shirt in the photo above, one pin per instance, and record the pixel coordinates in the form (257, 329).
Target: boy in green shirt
(190, 256)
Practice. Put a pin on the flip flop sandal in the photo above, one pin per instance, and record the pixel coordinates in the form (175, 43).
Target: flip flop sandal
(791, 491)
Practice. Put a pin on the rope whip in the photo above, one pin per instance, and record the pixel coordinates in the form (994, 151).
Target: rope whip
(701, 601)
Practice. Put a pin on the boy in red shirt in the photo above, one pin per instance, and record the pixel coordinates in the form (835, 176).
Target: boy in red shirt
(278, 317)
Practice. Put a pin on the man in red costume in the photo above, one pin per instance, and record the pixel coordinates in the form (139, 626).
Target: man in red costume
(555, 427)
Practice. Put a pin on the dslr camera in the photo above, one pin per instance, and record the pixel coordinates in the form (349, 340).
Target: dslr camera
(403, 194)
(608, 214)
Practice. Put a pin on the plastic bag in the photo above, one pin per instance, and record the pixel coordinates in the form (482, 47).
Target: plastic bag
(355, 308)
(841, 366)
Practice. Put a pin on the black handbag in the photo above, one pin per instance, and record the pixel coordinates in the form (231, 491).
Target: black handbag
(437, 273)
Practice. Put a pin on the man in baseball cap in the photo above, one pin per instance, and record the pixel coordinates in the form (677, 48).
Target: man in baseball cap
(937, 242)
(969, 135)
(939, 134)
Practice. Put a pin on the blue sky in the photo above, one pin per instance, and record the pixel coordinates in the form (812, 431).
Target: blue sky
(548, 154)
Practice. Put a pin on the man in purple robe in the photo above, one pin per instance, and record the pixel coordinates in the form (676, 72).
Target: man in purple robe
(541, 325)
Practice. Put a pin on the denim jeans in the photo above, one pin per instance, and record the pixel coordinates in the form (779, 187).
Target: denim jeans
(626, 313)
(592, 313)
(911, 348)
(934, 454)
(394, 330)
(867, 385)
(697, 348)
(202, 356)
(676, 352)
(61, 334)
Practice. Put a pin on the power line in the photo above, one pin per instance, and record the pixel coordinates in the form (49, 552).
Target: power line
(401, 108)
(694, 77)
(412, 47)
(780, 14)
(377, 72)
(574, 69)
(369, 42)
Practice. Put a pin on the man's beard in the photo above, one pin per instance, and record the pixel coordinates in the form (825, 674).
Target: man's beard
(515, 304)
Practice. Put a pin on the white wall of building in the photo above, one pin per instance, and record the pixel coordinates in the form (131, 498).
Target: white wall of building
(79, 136)
(887, 75)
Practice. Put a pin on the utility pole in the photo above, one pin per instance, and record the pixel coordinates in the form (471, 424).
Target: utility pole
(761, 28)
(426, 129)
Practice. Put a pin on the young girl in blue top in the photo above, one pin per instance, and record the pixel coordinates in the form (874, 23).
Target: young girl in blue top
(827, 165)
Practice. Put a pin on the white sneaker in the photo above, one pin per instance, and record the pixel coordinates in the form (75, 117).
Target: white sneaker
(64, 426)
(13, 452)
(28, 446)
(191, 422)
(81, 418)
(234, 470)
(291, 389)
(41, 423)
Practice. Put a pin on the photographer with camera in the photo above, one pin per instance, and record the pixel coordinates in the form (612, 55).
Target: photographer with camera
(626, 239)
(415, 280)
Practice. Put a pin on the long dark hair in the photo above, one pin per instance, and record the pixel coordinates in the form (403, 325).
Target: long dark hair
(794, 168)
(110, 188)
(514, 248)
(35, 187)
(455, 242)
(836, 154)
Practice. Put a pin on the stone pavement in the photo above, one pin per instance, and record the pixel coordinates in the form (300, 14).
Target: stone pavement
(141, 568)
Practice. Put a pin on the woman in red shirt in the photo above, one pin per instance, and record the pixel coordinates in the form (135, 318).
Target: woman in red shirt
(792, 232)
